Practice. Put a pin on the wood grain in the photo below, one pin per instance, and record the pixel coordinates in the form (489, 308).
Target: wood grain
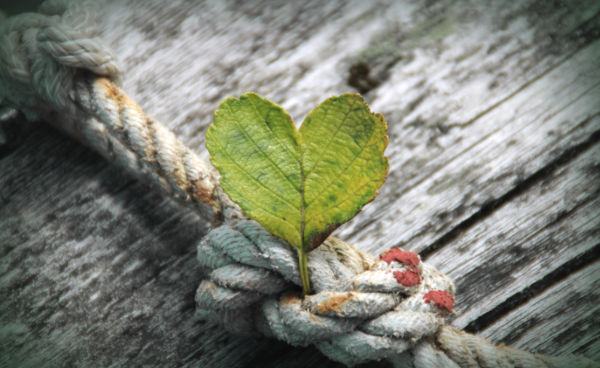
(493, 112)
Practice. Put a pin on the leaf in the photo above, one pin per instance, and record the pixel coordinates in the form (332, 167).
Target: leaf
(299, 185)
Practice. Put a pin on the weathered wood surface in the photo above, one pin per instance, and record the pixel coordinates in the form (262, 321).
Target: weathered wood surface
(493, 112)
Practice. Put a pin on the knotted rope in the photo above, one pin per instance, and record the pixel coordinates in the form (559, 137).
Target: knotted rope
(393, 308)
(362, 310)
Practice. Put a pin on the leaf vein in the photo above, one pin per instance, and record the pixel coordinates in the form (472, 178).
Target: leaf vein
(260, 149)
(337, 129)
(274, 135)
(348, 196)
(326, 187)
(254, 179)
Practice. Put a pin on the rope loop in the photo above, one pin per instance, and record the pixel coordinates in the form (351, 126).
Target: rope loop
(52, 67)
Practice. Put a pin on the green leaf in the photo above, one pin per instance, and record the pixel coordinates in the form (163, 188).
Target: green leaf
(299, 185)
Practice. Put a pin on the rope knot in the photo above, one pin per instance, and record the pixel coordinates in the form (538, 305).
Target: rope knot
(363, 309)
(42, 55)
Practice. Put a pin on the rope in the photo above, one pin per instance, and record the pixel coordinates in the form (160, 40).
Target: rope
(50, 69)
(148, 149)
(363, 309)
(44, 53)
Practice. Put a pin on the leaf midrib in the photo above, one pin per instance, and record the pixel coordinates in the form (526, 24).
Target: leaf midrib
(302, 207)
(326, 187)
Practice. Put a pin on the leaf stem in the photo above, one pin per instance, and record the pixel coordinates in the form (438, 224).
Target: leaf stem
(303, 265)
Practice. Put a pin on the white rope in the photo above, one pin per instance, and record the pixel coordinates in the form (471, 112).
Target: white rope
(44, 53)
(363, 309)
(52, 70)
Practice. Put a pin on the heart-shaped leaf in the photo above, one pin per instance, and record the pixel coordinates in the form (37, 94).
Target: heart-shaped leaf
(300, 185)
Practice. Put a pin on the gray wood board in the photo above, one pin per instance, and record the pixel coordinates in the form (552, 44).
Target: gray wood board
(493, 111)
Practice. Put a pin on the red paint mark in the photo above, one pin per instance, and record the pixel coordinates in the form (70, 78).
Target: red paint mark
(407, 277)
(396, 254)
(440, 298)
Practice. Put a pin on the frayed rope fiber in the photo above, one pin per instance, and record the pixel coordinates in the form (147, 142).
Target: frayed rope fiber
(363, 309)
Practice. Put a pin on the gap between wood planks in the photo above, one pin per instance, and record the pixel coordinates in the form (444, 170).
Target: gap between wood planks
(552, 310)
(489, 207)
(564, 271)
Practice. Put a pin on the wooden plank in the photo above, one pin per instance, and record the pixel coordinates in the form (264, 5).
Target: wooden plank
(488, 105)
(228, 52)
(527, 245)
(448, 132)
(484, 162)
(99, 271)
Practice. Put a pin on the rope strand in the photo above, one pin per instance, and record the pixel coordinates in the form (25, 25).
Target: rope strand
(166, 161)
